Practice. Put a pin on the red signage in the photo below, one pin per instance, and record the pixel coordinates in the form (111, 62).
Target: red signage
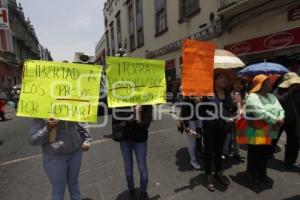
(266, 43)
(4, 23)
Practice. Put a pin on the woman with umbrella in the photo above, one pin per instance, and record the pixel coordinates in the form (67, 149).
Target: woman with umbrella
(264, 106)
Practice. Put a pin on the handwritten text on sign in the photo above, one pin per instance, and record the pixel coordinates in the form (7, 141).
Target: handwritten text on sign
(134, 81)
(64, 91)
(198, 64)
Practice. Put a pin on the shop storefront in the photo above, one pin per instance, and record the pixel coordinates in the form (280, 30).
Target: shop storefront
(8, 75)
(281, 47)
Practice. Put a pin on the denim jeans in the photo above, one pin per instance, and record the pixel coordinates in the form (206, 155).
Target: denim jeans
(62, 172)
(140, 150)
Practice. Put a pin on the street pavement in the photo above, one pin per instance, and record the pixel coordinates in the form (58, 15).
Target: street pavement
(102, 175)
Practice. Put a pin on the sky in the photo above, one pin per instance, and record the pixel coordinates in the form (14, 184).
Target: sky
(66, 26)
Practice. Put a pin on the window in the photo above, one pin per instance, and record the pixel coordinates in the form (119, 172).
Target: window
(131, 27)
(105, 22)
(139, 23)
(112, 37)
(119, 34)
(107, 43)
(160, 17)
(188, 8)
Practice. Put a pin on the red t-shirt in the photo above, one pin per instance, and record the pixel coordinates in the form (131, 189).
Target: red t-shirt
(2, 105)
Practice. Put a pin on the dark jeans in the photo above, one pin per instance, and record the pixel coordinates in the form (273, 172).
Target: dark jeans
(214, 139)
(275, 141)
(140, 150)
(292, 144)
(258, 159)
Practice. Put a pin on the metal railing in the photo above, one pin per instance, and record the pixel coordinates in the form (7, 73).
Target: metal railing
(223, 4)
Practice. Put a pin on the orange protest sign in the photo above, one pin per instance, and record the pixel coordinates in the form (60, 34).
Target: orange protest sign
(198, 68)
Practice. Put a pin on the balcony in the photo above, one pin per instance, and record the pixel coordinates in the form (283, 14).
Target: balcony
(223, 4)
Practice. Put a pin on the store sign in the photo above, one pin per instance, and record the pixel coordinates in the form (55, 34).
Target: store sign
(279, 40)
(241, 48)
(294, 13)
(269, 42)
(204, 34)
(4, 20)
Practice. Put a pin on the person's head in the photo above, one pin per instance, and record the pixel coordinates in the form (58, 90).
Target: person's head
(221, 80)
(289, 79)
(266, 86)
(261, 84)
(238, 85)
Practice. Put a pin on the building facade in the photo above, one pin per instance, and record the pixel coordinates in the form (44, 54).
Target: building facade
(45, 54)
(155, 29)
(263, 30)
(100, 51)
(18, 42)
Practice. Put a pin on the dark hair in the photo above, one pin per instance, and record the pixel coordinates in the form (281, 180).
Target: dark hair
(243, 83)
(219, 74)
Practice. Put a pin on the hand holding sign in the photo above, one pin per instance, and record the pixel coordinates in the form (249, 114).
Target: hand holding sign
(52, 126)
(51, 123)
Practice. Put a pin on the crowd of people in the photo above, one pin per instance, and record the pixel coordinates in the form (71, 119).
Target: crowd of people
(276, 105)
(272, 103)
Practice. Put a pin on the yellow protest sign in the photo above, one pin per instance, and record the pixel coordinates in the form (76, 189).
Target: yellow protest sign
(64, 91)
(135, 81)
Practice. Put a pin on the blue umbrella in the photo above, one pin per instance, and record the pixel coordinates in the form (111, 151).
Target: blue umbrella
(266, 68)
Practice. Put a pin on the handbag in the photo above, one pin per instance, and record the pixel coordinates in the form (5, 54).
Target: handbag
(254, 132)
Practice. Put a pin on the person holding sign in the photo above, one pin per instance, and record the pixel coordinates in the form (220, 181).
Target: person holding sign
(130, 128)
(61, 158)
(215, 128)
